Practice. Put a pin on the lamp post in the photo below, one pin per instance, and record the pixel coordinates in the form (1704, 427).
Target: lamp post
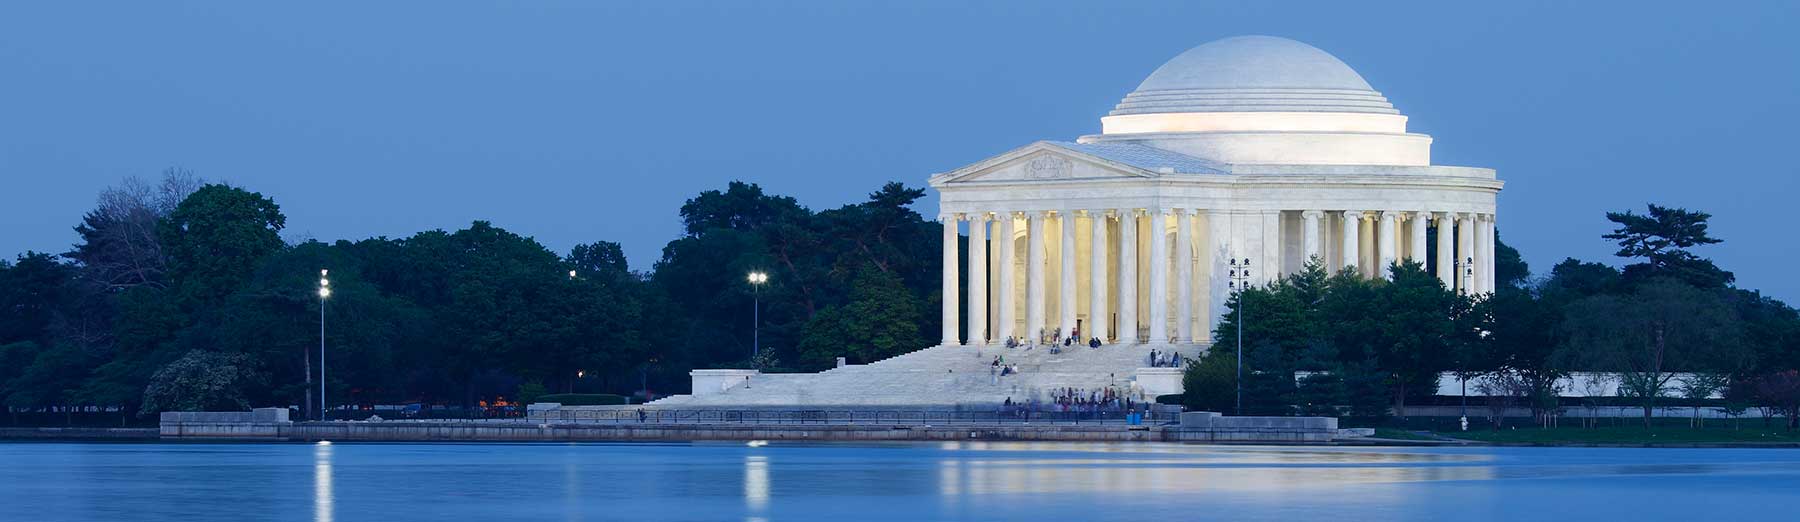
(1240, 281)
(1466, 267)
(756, 281)
(324, 292)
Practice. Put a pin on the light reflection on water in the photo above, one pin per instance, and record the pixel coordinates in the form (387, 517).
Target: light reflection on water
(322, 496)
(956, 480)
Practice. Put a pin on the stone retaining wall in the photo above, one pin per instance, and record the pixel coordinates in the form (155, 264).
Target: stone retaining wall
(520, 431)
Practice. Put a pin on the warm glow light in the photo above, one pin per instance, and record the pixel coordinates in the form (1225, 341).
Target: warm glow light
(757, 278)
(323, 272)
(571, 274)
(324, 282)
(324, 293)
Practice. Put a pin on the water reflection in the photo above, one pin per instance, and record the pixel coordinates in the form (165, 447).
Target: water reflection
(880, 482)
(756, 482)
(322, 499)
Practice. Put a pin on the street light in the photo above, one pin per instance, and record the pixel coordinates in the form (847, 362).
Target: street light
(324, 292)
(756, 281)
(1240, 281)
(1466, 266)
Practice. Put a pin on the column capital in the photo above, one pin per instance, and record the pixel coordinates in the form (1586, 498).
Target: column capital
(1312, 214)
(1390, 214)
(977, 217)
(1039, 214)
(950, 217)
(1353, 214)
(1424, 214)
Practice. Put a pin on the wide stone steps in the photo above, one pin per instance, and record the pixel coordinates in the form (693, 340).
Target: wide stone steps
(942, 376)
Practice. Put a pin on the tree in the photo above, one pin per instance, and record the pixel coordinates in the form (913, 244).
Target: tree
(1781, 390)
(1503, 389)
(1268, 381)
(201, 381)
(119, 246)
(216, 237)
(1210, 384)
(880, 321)
(1523, 337)
(1416, 331)
(1664, 327)
(1366, 389)
(599, 259)
(1700, 386)
(34, 293)
(51, 380)
(1661, 239)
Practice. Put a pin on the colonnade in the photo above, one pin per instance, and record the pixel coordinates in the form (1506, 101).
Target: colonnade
(1195, 272)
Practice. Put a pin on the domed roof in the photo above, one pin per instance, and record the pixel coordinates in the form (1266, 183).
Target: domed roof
(1254, 74)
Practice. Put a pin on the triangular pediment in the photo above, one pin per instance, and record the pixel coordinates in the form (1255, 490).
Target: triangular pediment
(1042, 161)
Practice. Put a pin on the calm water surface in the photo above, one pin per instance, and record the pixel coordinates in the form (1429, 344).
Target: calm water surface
(927, 481)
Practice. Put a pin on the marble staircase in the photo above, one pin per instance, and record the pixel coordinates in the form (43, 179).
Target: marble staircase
(941, 376)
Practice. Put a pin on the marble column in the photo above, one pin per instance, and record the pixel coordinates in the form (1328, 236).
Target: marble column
(1184, 276)
(1416, 248)
(1310, 245)
(1217, 257)
(1159, 276)
(1352, 233)
(1465, 252)
(1446, 251)
(978, 279)
(1269, 258)
(1034, 276)
(1488, 251)
(1097, 294)
(1128, 276)
(950, 290)
(1386, 243)
(1369, 259)
(1066, 297)
(1005, 322)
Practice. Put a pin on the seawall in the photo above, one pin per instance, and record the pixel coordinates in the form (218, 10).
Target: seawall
(1207, 428)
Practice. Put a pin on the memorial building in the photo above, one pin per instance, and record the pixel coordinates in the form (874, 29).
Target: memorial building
(1236, 162)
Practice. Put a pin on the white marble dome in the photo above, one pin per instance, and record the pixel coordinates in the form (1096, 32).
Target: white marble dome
(1254, 74)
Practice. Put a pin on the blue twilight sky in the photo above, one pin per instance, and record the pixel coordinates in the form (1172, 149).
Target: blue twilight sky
(582, 121)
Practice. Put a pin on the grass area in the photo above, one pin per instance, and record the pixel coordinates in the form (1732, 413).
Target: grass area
(1631, 435)
(1399, 434)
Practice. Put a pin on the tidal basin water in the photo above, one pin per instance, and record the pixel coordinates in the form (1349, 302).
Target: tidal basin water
(925, 481)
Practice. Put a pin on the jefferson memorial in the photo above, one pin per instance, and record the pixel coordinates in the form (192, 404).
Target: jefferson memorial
(1234, 163)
